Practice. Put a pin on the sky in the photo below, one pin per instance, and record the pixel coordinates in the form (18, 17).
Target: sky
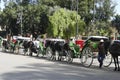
(117, 8)
(1, 4)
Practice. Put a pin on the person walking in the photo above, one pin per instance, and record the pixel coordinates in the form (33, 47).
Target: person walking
(101, 52)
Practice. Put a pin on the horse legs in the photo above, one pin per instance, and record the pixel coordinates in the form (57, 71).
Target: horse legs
(115, 63)
(30, 52)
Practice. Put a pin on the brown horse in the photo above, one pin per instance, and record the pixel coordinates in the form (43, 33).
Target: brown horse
(115, 52)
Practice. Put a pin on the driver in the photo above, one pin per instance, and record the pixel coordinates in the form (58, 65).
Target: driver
(101, 53)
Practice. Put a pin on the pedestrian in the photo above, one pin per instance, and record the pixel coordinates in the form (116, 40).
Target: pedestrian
(101, 52)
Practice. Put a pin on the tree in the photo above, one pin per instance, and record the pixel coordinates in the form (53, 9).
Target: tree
(9, 18)
(85, 7)
(64, 3)
(63, 23)
(35, 16)
(47, 2)
(116, 23)
(104, 10)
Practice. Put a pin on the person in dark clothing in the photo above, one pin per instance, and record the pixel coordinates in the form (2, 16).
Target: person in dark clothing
(101, 52)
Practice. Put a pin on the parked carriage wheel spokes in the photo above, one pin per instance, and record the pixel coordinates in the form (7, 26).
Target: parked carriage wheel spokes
(87, 57)
(108, 60)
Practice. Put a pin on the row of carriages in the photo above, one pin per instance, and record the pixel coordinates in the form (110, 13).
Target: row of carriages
(60, 50)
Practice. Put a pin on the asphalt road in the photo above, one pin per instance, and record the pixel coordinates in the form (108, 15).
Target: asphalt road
(20, 67)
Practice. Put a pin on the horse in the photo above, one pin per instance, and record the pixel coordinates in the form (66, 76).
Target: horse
(29, 46)
(50, 49)
(59, 50)
(9, 45)
(114, 50)
(25, 47)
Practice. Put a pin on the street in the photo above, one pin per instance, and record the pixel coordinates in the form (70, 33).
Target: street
(20, 67)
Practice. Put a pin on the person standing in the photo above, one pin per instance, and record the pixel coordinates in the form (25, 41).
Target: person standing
(101, 53)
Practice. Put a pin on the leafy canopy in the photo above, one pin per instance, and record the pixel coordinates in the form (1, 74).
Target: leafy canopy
(63, 23)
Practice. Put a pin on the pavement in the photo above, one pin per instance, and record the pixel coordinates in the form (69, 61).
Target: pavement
(77, 61)
(20, 67)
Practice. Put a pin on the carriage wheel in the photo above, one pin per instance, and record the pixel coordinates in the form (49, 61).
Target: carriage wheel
(108, 60)
(69, 56)
(87, 57)
(49, 53)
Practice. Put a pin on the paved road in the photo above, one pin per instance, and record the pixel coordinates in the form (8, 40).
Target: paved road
(19, 67)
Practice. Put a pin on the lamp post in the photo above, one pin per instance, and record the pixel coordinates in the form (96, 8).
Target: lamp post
(21, 14)
(21, 22)
(74, 7)
(77, 21)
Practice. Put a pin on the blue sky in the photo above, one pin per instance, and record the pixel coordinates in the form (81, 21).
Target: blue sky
(1, 4)
(117, 8)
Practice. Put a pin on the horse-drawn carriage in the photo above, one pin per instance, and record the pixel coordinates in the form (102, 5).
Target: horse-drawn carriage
(58, 49)
(90, 50)
(10, 45)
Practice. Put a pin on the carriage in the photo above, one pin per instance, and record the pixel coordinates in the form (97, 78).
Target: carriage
(87, 51)
(90, 51)
(58, 49)
(10, 46)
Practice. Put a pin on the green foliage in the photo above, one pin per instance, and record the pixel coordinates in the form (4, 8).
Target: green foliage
(105, 10)
(63, 23)
(47, 2)
(103, 28)
(25, 2)
(64, 3)
(9, 17)
(116, 22)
